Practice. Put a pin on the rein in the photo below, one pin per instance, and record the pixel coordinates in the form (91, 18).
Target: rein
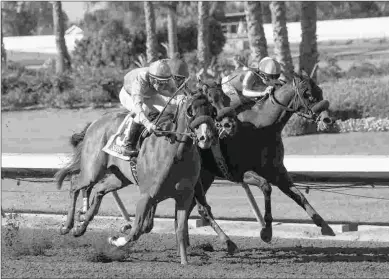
(294, 104)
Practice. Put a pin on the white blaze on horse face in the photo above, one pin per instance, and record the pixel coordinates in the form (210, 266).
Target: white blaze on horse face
(202, 133)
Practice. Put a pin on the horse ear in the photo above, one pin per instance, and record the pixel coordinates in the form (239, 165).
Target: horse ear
(304, 74)
(219, 80)
(204, 88)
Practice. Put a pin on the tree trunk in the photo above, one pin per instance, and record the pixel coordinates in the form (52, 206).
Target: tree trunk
(255, 31)
(308, 47)
(203, 52)
(172, 29)
(63, 62)
(151, 37)
(281, 42)
(3, 51)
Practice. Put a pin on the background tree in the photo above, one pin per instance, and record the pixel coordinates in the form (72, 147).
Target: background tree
(3, 51)
(63, 62)
(151, 38)
(28, 18)
(171, 8)
(308, 46)
(280, 34)
(202, 36)
(255, 31)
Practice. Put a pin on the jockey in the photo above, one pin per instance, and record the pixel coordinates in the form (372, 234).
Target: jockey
(145, 90)
(179, 69)
(259, 83)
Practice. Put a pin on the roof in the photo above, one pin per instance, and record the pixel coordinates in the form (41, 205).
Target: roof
(74, 30)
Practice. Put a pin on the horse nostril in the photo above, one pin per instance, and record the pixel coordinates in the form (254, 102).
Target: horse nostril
(227, 125)
(202, 138)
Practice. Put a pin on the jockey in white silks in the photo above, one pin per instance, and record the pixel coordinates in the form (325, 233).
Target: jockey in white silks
(146, 90)
(254, 84)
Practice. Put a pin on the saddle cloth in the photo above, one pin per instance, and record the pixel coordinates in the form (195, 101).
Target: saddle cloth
(116, 140)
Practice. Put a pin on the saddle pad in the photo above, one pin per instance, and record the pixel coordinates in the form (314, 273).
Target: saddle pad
(115, 141)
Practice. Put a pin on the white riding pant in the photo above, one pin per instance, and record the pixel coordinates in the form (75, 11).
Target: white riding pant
(155, 103)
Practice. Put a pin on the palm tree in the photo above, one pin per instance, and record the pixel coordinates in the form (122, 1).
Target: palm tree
(63, 62)
(308, 47)
(281, 42)
(172, 28)
(151, 38)
(256, 33)
(202, 36)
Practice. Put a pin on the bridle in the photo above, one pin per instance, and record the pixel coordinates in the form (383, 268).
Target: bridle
(295, 103)
(190, 133)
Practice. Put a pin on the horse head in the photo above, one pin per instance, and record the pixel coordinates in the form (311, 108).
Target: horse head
(200, 116)
(309, 101)
(226, 119)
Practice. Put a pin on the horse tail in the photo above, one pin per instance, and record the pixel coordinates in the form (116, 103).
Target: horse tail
(76, 138)
(74, 166)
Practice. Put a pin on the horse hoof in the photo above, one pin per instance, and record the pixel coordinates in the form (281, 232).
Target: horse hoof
(64, 230)
(112, 240)
(184, 262)
(125, 228)
(79, 231)
(231, 247)
(326, 230)
(267, 234)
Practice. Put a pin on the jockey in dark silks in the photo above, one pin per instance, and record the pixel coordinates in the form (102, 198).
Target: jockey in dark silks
(254, 84)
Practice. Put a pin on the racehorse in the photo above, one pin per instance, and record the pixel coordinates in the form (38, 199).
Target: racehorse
(167, 167)
(254, 156)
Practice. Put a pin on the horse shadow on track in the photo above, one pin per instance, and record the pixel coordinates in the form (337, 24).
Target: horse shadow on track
(315, 254)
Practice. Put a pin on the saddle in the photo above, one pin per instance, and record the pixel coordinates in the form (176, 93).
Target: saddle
(115, 141)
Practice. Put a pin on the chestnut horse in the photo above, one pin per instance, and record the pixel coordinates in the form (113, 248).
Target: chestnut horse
(165, 168)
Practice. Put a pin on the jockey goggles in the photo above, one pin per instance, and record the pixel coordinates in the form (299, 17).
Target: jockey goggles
(179, 79)
(158, 80)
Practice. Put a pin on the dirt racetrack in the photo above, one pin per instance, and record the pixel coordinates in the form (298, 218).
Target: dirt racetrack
(154, 256)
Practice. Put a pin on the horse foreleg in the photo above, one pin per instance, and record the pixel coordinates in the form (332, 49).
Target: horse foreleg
(253, 178)
(183, 202)
(142, 209)
(204, 210)
(285, 184)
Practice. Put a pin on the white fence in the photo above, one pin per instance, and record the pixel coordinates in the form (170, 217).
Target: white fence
(303, 168)
(327, 30)
(365, 169)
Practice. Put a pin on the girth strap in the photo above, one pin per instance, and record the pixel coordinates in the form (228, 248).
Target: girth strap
(221, 163)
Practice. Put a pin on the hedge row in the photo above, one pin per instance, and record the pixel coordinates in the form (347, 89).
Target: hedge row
(350, 98)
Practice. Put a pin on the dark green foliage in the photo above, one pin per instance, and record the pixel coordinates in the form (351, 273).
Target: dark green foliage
(23, 88)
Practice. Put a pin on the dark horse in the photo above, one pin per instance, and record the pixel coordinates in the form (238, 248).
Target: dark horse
(165, 168)
(254, 156)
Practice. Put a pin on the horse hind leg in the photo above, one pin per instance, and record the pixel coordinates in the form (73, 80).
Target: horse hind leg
(285, 184)
(111, 183)
(85, 204)
(69, 223)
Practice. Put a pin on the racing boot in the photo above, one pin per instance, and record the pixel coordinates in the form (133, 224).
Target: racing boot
(129, 143)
